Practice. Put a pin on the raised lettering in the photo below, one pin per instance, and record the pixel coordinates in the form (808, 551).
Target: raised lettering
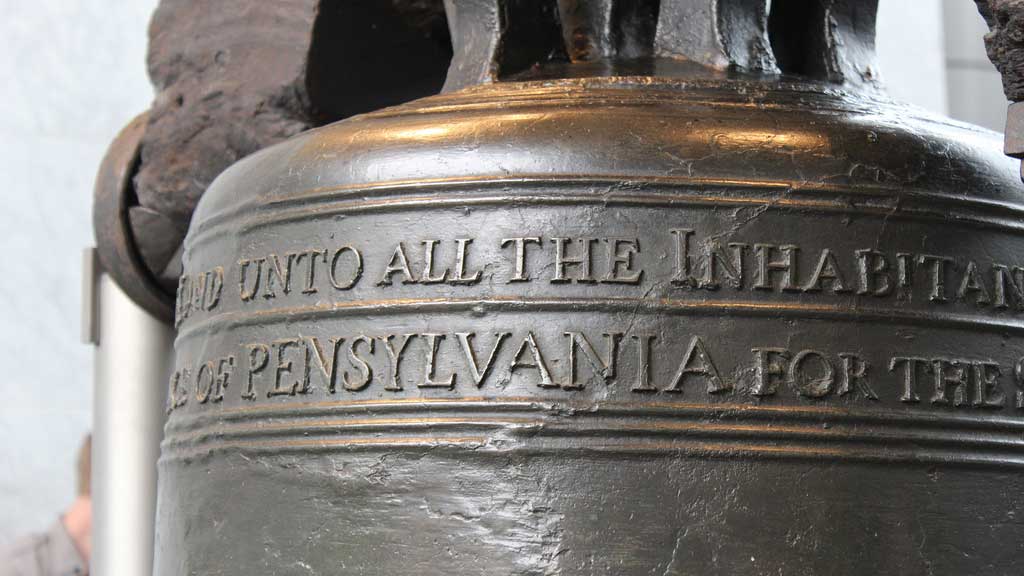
(311, 257)
(203, 390)
(787, 266)
(460, 264)
(697, 361)
(519, 273)
(910, 370)
(428, 264)
(817, 386)
(938, 275)
(259, 358)
(398, 263)
(946, 373)
(987, 393)
(855, 375)
(1015, 281)
(430, 367)
(536, 363)
(478, 373)
(176, 395)
(643, 365)
(605, 368)
(278, 273)
(768, 370)
(327, 362)
(284, 367)
(620, 261)
(873, 273)
(247, 294)
(356, 268)
(683, 275)
(716, 260)
(972, 284)
(827, 270)
(904, 261)
(582, 260)
(395, 355)
(361, 364)
(225, 366)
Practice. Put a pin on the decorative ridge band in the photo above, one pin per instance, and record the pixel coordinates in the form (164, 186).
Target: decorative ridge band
(555, 406)
(637, 190)
(729, 430)
(227, 320)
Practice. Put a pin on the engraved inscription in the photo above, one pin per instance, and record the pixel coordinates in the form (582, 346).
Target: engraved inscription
(306, 272)
(436, 266)
(198, 292)
(680, 261)
(589, 362)
(412, 276)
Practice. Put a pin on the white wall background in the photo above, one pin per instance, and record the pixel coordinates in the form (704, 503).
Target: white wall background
(72, 73)
(974, 87)
(911, 51)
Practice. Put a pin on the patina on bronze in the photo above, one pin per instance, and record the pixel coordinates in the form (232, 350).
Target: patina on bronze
(651, 288)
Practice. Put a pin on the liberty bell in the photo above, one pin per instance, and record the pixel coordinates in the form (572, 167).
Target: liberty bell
(650, 288)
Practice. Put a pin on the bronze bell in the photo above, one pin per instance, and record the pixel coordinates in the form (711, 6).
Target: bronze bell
(650, 288)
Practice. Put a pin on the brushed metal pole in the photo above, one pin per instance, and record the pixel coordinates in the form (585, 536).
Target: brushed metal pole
(132, 358)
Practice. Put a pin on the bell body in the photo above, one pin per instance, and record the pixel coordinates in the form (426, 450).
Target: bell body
(618, 325)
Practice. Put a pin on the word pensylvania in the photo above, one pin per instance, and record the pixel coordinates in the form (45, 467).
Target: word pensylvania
(461, 361)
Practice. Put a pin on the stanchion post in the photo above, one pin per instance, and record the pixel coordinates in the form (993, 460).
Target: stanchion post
(132, 356)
